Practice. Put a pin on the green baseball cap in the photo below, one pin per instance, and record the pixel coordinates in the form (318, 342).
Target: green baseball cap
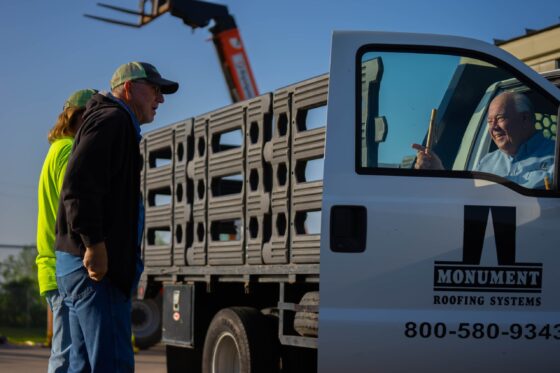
(79, 98)
(144, 71)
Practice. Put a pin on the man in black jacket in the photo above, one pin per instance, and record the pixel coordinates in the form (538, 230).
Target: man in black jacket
(100, 219)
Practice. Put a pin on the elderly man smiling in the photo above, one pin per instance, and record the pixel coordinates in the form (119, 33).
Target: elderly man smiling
(523, 156)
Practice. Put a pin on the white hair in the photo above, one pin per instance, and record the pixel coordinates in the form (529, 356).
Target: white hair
(522, 104)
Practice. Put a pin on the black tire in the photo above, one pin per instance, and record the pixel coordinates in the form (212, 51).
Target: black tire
(146, 322)
(240, 339)
(182, 359)
(307, 323)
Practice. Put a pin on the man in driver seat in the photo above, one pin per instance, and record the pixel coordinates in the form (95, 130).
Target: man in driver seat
(524, 155)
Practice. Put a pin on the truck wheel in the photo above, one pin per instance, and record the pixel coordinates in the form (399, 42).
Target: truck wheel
(182, 360)
(146, 322)
(240, 340)
(307, 323)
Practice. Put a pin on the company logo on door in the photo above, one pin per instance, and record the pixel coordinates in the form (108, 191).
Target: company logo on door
(468, 275)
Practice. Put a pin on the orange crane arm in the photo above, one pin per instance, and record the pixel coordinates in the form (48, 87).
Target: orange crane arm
(225, 35)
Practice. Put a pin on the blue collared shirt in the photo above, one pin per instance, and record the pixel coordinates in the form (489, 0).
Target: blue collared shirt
(528, 167)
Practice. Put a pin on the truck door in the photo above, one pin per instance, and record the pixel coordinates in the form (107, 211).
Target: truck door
(453, 268)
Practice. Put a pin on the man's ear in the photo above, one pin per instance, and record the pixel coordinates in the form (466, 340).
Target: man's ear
(128, 89)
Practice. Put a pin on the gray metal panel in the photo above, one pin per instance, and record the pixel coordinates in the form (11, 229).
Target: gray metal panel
(183, 191)
(159, 141)
(157, 253)
(229, 206)
(196, 170)
(311, 93)
(257, 188)
(277, 153)
(157, 218)
(159, 175)
(158, 181)
(159, 178)
(259, 273)
(161, 187)
(307, 145)
(259, 209)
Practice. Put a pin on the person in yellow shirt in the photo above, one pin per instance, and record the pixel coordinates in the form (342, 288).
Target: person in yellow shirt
(61, 138)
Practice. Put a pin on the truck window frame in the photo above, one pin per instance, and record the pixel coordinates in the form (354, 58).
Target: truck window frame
(452, 51)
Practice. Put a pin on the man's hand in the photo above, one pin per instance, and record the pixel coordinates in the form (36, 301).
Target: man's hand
(95, 261)
(426, 159)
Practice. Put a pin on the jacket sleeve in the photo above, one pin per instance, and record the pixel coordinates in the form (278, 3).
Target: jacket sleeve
(88, 177)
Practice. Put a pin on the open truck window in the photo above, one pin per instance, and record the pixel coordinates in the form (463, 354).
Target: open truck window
(398, 94)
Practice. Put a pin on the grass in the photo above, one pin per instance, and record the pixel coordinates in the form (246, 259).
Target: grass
(22, 335)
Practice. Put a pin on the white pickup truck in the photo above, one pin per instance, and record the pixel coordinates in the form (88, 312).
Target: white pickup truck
(448, 270)
(409, 297)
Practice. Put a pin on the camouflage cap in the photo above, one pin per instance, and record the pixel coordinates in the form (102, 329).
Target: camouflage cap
(79, 98)
(144, 71)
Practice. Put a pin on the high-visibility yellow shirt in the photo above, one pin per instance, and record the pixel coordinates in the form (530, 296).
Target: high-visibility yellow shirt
(50, 183)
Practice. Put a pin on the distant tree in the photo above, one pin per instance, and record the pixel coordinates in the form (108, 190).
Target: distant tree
(21, 266)
(20, 302)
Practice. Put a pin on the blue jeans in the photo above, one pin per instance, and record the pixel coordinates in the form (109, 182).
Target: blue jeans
(60, 349)
(100, 324)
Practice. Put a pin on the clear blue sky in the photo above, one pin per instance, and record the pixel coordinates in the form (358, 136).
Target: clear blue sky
(48, 50)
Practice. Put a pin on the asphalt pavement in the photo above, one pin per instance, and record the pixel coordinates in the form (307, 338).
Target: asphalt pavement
(34, 359)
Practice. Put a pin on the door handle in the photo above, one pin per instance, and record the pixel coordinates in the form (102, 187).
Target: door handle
(348, 229)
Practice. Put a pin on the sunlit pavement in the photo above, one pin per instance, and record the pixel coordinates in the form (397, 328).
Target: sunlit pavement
(33, 359)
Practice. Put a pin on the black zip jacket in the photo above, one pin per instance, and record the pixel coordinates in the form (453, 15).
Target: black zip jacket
(100, 194)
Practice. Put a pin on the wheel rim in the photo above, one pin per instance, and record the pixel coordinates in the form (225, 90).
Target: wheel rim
(225, 357)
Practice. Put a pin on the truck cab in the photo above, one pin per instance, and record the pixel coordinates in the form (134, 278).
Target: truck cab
(449, 269)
